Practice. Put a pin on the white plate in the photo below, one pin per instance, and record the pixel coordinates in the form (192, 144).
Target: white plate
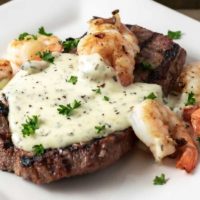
(130, 178)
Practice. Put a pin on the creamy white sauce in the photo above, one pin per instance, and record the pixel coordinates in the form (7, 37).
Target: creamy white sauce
(34, 66)
(41, 93)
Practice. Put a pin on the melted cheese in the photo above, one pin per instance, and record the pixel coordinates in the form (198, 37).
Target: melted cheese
(41, 93)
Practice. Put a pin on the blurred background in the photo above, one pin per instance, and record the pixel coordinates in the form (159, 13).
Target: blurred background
(187, 7)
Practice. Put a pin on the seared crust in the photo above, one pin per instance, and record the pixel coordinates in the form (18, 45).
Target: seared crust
(165, 56)
(56, 164)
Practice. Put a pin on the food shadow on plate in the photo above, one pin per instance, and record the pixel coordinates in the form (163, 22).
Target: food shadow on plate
(130, 168)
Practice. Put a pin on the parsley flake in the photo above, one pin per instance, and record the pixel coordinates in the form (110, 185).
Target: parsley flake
(27, 36)
(72, 79)
(42, 31)
(160, 180)
(151, 96)
(99, 129)
(198, 139)
(106, 98)
(146, 65)
(174, 35)
(191, 99)
(28, 128)
(38, 149)
(46, 56)
(69, 108)
(70, 43)
(97, 91)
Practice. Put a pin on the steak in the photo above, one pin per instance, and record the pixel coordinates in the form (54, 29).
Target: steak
(160, 59)
(167, 59)
(56, 164)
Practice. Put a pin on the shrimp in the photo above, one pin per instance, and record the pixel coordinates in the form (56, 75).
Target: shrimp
(5, 72)
(19, 51)
(115, 43)
(191, 114)
(164, 133)
(189, 80)
(195, 121)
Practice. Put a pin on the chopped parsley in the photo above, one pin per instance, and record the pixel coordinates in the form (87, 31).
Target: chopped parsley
(174, 35)
(28, 128)
(160, 180)
(198, 140)
(99, 129)
(97, 91)
(72, 79)
(42, 31)
(38, 149)
(146, 65)
(26, 36)
(70, 43)
(151, 96)
(69, 108)
(46, 56)
(106, 98)
(191, 99)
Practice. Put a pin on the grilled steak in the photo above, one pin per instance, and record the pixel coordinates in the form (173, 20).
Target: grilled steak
(160, 59)
(167, 59)
(55, 164)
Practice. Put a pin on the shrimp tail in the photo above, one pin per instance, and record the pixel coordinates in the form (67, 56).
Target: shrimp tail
(188, 159)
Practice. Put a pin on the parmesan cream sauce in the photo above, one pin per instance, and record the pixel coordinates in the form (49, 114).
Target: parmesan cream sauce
(41, 93)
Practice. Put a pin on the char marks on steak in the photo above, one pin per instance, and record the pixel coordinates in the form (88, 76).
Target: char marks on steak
(56, 164)
(166, 58)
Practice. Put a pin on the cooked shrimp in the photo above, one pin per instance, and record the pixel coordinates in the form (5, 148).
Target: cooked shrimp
(19, 51)
(5, 72)
(189, 80)
(191, 114)
(195, 120)
(164, 133)
(188, 84)
(115, 43)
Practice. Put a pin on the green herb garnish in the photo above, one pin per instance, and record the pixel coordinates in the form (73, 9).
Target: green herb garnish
(42, 31)
(72, 79)
(160, 180)
(70, 44)
(198, 139)
(146, 65)
(38, 149)
(99, 129)
(26, 36)
(151, 96)
(97, 91)
(174, 35)
(46, 56)
(191, 99)
(106, 98)
(69, 108)
(28, 128)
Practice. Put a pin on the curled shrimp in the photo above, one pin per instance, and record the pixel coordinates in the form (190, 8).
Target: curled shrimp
(191, 114)
(164, 133)
(5, 72)
(114, 43)
(19, 51)
(189, 80)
